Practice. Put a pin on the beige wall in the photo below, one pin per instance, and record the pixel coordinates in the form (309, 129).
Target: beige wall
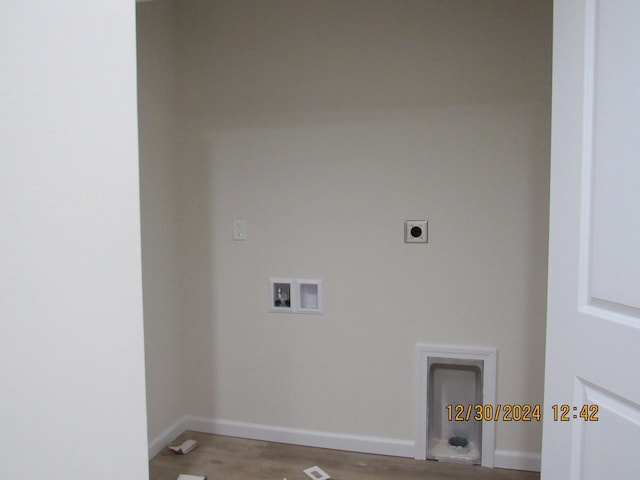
(157, 97)
(326, 125)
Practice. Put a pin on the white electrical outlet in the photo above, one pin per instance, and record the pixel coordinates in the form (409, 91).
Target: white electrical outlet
(416, 231)
(239, 229)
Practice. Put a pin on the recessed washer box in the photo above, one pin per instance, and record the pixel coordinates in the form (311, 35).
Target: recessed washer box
(309, 296)
(416, 231)
(282, 295)
(288, 295)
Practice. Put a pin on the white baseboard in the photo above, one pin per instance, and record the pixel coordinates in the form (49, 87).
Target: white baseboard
(517, 460)
(161, 441)
(309, 438)
(312, 438)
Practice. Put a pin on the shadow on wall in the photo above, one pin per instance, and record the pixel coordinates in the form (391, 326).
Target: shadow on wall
(196, 254)
(278, 57)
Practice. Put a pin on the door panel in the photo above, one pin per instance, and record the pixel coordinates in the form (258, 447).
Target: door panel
(612, 145)
(617, 429)
(593, 324)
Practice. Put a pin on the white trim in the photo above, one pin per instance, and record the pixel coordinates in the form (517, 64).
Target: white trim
(489, 356)
(517, 460)
(309, 438)
(166, 437)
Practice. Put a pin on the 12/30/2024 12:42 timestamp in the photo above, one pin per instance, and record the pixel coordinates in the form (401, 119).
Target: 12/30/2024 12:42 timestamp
(514, 412)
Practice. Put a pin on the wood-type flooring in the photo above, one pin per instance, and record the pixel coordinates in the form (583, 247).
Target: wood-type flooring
(229, 458)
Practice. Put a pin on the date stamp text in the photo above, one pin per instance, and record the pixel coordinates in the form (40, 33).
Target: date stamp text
(516, 412)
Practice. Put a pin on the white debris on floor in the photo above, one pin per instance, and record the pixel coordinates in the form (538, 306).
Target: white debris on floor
(316, 473)
(185, 447)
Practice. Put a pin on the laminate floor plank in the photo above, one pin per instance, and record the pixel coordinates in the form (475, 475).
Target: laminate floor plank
(230, 458)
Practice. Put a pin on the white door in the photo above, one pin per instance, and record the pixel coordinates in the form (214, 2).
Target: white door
(593, 329)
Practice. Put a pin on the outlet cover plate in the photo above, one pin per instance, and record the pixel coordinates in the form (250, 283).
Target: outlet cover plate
(416, 231)
(239, 229)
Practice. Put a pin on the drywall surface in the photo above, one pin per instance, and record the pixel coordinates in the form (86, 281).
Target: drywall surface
(71, 348)
(325, 125)
(157, 94)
